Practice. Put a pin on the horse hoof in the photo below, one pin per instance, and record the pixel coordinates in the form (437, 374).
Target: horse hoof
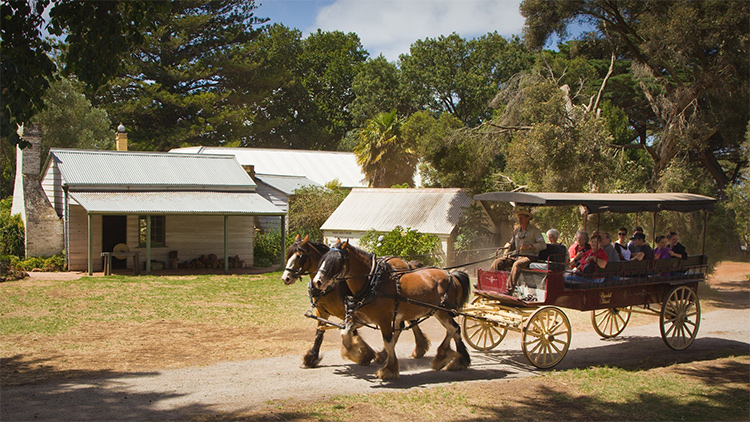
(456, 365)
(387, 374)
(311, 361)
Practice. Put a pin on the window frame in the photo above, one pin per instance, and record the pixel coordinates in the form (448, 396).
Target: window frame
(158, 231)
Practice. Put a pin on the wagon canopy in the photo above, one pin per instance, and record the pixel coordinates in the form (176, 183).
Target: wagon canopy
(601, 202)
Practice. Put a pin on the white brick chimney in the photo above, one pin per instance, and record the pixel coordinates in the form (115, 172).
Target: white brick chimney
(43, 227)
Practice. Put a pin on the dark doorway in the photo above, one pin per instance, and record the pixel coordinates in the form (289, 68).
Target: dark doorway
(114, 231)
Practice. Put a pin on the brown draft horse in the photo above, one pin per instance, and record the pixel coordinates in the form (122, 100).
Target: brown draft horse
(303, 257)
(383, 298)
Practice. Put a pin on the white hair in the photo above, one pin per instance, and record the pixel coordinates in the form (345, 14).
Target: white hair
(553, 232)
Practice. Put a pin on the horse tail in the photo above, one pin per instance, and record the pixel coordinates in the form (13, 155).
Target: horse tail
(463, 279)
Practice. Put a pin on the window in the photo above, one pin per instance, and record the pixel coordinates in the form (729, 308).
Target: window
(158, 231)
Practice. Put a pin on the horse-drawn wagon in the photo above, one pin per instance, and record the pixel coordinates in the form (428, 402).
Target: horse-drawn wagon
(361, 289)
(665, 288)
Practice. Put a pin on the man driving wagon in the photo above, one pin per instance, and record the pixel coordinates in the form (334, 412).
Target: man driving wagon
(521, 249)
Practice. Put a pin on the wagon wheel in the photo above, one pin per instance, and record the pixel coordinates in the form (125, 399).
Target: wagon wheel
(680, 318)
(546, 337)
(482, 335)
(610, 322)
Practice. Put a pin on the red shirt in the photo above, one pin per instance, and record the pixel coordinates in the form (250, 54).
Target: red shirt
(599, 254)
(575, 248)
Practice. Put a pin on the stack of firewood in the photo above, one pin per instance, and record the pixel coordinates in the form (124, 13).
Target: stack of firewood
(211, 261)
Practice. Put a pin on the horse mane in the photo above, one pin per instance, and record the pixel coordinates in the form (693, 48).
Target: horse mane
(355, 249)
(320, 247)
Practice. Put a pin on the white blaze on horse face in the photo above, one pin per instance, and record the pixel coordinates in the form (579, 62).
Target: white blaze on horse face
(318, 281)
(289, 278)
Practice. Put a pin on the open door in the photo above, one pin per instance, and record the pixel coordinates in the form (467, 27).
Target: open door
(114, 231)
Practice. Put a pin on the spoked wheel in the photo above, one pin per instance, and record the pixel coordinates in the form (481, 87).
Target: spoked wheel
(610, 322)
(546, 337)
(680, 318)
(481, 335)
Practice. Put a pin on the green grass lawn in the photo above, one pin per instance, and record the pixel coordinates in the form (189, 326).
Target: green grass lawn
(248, 300)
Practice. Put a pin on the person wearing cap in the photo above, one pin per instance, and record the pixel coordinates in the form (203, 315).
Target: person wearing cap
(631, 245)
(644, 250)
(521, 249)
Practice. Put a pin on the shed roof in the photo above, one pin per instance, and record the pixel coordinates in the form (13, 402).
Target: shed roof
(131, 170)
(285, 184)
(318, 166)
(613, 202)
(180, 202)
(435, 211)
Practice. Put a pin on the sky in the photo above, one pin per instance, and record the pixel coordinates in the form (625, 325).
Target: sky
(389, 27)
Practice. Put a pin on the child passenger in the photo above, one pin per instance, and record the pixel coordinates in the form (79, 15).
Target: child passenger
(662, 248)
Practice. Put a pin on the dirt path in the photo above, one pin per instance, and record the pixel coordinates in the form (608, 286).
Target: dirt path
(249, 385)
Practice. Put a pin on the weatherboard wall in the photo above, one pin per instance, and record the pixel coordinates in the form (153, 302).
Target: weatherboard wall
(190, 235)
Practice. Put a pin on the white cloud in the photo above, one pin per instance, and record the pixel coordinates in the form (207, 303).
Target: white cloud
(391, 26)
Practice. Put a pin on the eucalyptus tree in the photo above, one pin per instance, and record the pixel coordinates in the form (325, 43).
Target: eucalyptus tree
(451, 74)
(378, 87)
(690, 60)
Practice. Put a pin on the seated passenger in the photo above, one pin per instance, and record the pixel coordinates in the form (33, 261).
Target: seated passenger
(554, 251)
(675, 247)
(594, 257)
(590, 260)
(609, 249)
(579, 246)
(662, 248)
(525, 245)
(631, 245)
(644, 250)
(621, 246)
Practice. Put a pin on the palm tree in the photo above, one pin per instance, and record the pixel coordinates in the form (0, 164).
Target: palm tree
(384, 155)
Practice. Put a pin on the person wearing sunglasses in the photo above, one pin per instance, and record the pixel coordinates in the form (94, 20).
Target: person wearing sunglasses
(621, 244)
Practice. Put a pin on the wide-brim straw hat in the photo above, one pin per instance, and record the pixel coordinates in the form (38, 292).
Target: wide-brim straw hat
(523, 211)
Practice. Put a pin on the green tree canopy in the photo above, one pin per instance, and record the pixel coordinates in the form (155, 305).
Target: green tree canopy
(70, 121)
(690, 60)
(98, 36)
(451, 74)
(188, 82)
(378, 88)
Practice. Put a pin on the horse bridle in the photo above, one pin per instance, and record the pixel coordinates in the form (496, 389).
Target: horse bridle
(301, 271)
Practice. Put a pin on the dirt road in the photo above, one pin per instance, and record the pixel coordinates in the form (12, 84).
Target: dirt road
(247, 385)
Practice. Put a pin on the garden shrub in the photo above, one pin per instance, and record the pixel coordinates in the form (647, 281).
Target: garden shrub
(49, 263)
(9, 271)
(408, 244)
(267, 248)
(11, 231)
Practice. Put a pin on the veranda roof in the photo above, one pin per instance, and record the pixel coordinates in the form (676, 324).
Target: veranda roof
(176, 202)
(612, 202)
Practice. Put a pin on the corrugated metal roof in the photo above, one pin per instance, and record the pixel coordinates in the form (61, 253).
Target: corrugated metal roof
(180, 202)
(319, 166)
(285, 184)
(435, 211)
(613, 202)
(141, 170)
